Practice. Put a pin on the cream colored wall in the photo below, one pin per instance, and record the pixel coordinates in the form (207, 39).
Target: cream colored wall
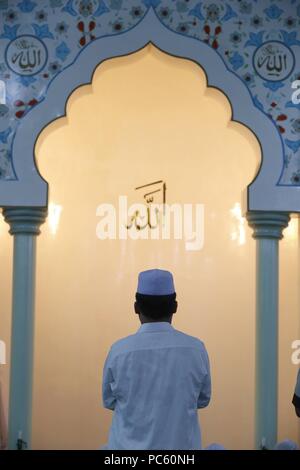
(148, 117)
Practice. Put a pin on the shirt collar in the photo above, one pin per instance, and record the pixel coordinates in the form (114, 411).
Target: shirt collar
(154, 327)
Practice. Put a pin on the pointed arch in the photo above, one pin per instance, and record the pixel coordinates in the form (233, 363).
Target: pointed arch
(30, 189)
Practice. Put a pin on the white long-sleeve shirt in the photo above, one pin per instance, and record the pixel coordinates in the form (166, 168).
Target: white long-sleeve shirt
(155, 380)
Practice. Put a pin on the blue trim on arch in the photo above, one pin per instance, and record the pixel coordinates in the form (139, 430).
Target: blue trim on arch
(54, 78)
(252, 98)
(148, 29)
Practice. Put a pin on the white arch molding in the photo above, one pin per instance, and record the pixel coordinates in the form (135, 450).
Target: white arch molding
(30, 189)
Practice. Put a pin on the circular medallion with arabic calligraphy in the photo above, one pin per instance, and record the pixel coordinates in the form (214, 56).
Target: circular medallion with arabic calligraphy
(273, 61)
(26, 55)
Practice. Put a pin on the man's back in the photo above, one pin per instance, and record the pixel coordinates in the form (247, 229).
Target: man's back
(155, 380)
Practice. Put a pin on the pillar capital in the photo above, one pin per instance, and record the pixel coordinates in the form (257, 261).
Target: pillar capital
(25, 220)
(267, 224)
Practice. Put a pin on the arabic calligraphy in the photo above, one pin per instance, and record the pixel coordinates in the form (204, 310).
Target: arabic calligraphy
(273, 61)
(26, 55)
(152, 215)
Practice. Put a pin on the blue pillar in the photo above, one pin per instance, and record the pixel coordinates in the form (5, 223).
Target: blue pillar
(267, 230)
(24, 226)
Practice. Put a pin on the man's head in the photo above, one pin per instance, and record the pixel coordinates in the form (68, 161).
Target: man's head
(156, 296)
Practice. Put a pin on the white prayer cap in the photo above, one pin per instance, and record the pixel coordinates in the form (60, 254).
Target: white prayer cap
(155, 282)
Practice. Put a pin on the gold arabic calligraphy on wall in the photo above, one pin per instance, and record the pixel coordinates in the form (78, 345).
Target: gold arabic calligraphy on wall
(153, 217)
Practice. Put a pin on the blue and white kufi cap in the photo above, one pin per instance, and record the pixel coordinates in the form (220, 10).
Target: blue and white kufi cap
(155, 282)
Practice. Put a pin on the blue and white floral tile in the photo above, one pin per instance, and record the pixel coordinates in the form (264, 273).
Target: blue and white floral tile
(258, 40)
